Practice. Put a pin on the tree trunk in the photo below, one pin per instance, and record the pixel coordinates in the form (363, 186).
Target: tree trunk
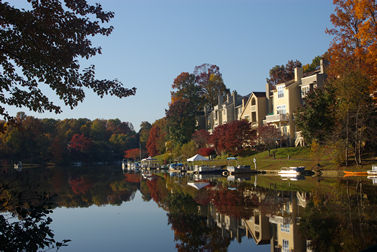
(356, 140)
(347, 138)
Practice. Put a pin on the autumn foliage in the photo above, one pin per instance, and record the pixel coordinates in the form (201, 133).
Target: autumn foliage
(206, 151)
(232, 137)
(201, 138)
(354, 46)
(79, 143)
(132, 153)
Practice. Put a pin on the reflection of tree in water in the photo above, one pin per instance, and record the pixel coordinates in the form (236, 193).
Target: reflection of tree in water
(232, 202)
(26, 201)
(80, 185)
(343, 220)
(191, 229)
(26, 229)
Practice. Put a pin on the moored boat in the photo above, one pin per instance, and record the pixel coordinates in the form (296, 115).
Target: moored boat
(291, 171)
(352, 173)
(373, 171)
(206, 169)
(176, 167)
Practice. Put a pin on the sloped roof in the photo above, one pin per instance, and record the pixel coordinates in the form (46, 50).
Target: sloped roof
(259, 94)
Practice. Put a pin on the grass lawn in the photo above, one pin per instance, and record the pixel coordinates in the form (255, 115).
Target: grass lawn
(289, 156)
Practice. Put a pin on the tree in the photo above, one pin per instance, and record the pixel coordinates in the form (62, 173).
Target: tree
(43, 45)
(157, 138)
(316, 119)
(180, 121)
(354, 46)
(211, 82)
(218, 139)
(268, 135)
(356, 113)
(188, 149)
(132, 153)
(201, 138)
(279, 74)
(145, 128)
(313, 66)
(206, 151)
(232, 137)
(187, 90)
(237, 136)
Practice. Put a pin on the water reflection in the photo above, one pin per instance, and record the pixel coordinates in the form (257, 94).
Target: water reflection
(209, 212)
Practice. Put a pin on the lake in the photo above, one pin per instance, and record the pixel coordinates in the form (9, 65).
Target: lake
(104, 209)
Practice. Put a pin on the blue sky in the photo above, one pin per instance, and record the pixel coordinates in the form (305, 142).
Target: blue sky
(154, 41)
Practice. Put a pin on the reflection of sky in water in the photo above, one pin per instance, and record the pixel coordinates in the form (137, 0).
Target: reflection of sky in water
(134, 226)
(247, 244)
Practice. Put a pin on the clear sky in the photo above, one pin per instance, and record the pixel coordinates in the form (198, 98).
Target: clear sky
(154, 41)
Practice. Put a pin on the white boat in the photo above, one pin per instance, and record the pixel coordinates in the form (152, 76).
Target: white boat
(238, 169)
(150, 163)
(291, 171)
(124, 165)
(373, 171)
(18, 166)
(133, 166)
(206, 169)
(373, 178)
(176, 167)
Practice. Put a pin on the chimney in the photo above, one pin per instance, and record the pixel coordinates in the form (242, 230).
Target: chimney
(234, 96)
(219, 99)
(321, 67)
(268, 90)
(298, 73)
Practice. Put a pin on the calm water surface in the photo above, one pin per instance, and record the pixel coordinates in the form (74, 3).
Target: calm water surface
(103, 209)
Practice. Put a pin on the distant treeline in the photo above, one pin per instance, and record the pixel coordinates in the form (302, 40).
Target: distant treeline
(33, 140)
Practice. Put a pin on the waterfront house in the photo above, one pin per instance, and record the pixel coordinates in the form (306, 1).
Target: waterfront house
(254, 109)
(228, 109)
(287, 97)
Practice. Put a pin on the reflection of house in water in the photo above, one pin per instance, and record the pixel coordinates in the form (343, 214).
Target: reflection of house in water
(231, 227)
(274, 221)
(285, 235)
(258, 226)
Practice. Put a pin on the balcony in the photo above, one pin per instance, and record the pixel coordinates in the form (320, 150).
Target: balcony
(276, 118)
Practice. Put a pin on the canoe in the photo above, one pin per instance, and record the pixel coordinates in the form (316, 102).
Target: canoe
(351, 173)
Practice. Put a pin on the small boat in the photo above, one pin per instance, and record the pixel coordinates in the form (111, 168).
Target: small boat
(135, 167)
(124, 164)
(150, 163)
(291, 171)
(373, 171)
(353, 174)
(176, 167)
(18, 166)
(373, 178)
(206, 169)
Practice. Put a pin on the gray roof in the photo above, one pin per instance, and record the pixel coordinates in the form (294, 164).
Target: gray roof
(260, 94)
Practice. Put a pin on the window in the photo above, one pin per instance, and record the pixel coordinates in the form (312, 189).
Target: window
(280, 91)
(305, 91)
(285, 246)
(284, 228)
(253, 101)
(281, 109)
(253, 117)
